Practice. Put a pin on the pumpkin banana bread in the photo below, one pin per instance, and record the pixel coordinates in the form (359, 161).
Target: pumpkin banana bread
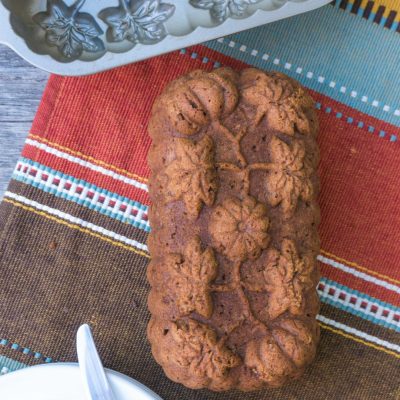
(234, 237)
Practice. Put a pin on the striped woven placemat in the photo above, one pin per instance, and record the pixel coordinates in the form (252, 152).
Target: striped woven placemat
(73, 223)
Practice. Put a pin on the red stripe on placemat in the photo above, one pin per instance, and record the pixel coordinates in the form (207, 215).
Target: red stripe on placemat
(360, 198)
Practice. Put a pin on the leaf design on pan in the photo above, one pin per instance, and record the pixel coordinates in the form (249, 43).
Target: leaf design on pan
(220, 10)
(71, 31)
(137, 21)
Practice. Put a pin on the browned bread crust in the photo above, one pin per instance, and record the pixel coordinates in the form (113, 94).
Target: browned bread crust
(234, 230)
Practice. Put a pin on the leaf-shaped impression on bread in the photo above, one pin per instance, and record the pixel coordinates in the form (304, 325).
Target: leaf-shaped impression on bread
(289, 179)
(191, 176)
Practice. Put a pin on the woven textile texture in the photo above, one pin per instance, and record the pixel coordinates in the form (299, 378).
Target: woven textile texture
(73, 222)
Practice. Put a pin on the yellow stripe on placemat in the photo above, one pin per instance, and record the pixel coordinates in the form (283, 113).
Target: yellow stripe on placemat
(358, 340)
(359, 267)
(389, 7)
(388, 4)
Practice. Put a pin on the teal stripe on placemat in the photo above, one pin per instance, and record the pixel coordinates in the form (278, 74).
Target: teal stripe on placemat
(76, 198)
(9, 365)
(331, 51)
(333, 301)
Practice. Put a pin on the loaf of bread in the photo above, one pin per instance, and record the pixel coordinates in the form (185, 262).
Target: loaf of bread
(234, 237)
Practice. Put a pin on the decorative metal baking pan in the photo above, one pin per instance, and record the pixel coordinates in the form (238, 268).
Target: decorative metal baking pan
(78, 37)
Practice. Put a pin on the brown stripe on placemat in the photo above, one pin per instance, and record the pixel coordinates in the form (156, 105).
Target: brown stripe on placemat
(390, 19)
(379, 14)
(368, 9)
(356, 6)
(47, 291)
(54, 278)
(78, 211)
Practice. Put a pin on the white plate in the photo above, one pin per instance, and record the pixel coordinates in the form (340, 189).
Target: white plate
(62, 381)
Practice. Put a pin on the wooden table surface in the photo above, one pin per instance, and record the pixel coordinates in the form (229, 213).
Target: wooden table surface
(21, 88)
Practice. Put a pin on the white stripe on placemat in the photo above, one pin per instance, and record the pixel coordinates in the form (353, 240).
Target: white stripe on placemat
(359, 274)
(358, 333)
(75, 220)
(86, 164)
